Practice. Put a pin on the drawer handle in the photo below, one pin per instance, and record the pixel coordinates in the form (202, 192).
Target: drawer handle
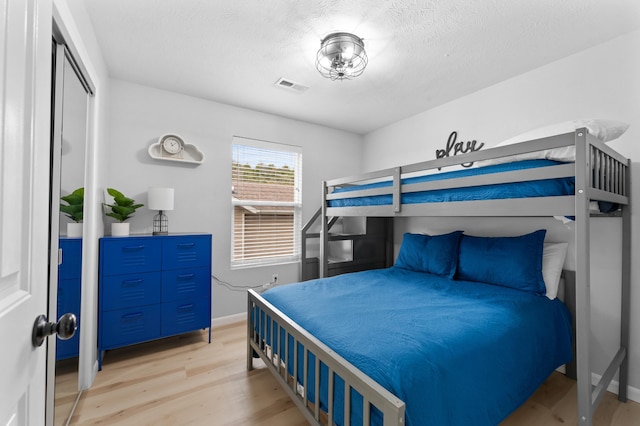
(131, 283)
(132, 248)
(186, 245)
(185, 308)
(132, 316)
(186, 276)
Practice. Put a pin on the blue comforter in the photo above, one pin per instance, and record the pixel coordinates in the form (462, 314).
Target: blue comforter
(456, 352)
(539, 188)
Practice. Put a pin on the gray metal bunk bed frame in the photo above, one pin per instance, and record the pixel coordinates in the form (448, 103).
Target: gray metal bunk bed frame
(601, 174)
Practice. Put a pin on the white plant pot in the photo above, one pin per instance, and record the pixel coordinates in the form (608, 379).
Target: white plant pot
(74, 230)
(120, 229)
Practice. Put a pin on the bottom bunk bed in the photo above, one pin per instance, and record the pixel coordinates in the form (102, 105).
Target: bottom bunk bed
(355, 348)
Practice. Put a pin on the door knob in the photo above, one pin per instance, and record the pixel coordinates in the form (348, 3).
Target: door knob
(65, 328)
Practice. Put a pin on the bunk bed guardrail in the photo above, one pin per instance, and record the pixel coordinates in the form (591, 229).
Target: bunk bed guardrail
(606, 182)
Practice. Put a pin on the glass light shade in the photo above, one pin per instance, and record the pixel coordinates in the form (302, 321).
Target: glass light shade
(160, 199)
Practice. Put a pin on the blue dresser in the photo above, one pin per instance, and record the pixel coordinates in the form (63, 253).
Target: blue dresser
(69, 289)
(153, 287)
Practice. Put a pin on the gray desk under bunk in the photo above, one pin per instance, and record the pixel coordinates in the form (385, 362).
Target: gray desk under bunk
(601, 174)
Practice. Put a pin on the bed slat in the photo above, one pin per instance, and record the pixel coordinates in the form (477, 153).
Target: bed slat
(305, 375)
(330, 397)
(317, 388)
(347, 404)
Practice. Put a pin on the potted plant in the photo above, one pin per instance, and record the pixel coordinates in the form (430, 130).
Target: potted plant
(121, 210)
(74, 210)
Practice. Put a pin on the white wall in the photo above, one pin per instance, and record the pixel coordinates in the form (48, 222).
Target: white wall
(601, 82)
(139, 115)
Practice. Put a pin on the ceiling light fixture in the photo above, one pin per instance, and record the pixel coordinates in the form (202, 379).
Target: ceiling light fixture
(341, 56)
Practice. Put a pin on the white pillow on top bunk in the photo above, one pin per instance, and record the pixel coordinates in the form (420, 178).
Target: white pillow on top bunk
(603, 130)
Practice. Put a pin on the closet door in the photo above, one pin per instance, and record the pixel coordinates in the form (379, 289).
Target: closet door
(69, 139)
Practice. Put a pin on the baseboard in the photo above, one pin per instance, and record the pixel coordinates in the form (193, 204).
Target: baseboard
(632, 392)
(229, 319)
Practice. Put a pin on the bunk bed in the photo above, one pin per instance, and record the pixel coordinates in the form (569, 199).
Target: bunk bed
(328, 388)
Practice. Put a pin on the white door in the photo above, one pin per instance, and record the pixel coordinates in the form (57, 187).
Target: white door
(25, 90)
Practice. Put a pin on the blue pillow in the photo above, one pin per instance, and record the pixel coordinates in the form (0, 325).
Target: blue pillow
(435, 254)
(514, 262)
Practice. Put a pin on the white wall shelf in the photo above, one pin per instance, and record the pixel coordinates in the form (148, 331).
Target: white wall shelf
(190, 154)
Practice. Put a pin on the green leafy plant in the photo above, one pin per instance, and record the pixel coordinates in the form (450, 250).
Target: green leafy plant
(75, 205)
(123, 207)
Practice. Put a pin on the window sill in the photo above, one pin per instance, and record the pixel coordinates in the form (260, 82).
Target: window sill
(261, 264)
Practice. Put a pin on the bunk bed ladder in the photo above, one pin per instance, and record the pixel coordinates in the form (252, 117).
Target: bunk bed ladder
(586, 184)
(363, 244)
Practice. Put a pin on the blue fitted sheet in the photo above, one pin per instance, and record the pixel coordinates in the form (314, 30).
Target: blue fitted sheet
(456, 352)
(539, 188)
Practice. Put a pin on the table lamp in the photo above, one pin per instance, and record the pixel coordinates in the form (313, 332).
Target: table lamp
(160, 199)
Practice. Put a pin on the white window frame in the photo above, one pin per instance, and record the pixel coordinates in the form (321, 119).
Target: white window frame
(296, 204)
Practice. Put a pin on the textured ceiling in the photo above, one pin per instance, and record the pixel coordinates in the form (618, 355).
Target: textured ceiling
(421, 53)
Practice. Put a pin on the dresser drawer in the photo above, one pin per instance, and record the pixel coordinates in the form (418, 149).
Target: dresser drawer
(71, 266)
(186, 252)
(130, 254)
(124, 291)
(69, 296)
(186, 284)
(69, 348)
(69, 304)
(69, 301)
(180, 317)
(127, 326)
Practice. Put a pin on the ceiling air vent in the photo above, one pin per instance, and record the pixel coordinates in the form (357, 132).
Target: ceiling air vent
(291, 85)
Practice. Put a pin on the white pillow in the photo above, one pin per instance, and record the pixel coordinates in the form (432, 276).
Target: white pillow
(553, 256)
(604, 130)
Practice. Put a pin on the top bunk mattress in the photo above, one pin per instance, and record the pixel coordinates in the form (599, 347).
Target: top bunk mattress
(536, 188)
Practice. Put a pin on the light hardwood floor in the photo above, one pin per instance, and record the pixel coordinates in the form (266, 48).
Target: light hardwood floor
(66, 389)
(186, 381)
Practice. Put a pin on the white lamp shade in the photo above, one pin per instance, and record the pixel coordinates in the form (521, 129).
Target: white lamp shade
(160, 199)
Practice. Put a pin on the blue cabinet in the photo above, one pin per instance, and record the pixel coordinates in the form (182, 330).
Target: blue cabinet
(69, 289)
(153, 287)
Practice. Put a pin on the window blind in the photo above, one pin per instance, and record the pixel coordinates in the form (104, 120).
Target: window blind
(266, 200)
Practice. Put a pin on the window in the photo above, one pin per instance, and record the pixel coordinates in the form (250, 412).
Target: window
(266, 199)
